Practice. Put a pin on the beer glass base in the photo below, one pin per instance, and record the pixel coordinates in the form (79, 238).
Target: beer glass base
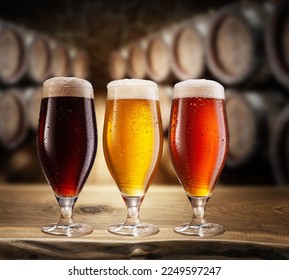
(204, 230)
(133, 230)
(74, 230)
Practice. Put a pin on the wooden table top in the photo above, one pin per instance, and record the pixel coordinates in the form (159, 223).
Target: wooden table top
(256, 220)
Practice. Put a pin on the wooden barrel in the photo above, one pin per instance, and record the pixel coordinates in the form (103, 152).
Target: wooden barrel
(251, 118)
(136, 60)
(22, 165)
(165, 95)
(118, 64)
(12, 54)
(61, 65)
(279, 150)
(158, 56)
(32, 97)
(236, 51)
(188, 48)
(13, 119)
(39, 56)
(100, 173)
(277, 42)
(79, 63)
(166, 166)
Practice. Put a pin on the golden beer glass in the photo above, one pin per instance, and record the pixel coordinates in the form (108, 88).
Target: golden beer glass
(132, 142)
(198, 143)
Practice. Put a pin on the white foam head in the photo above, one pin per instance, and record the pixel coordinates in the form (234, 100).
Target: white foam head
(67, 86)
(199, 88)
(132, 89)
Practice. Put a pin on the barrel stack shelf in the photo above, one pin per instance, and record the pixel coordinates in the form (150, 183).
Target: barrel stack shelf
(244, 46)
(27, 59)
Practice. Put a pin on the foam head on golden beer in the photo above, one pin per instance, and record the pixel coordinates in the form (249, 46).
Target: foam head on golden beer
(198, 134)
(132, 134)
(132, 89)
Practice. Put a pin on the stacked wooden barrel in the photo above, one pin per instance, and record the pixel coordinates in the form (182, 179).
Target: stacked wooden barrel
(169, 55)
(277, 43)
(235, 44)
(12, 54)
(13, 118)
(244, 43)
(252, 116)
(27, 59)
(19, 111)
(30, 56)
(136, 60)
(118, 64)
(244, 46)
(188, 48)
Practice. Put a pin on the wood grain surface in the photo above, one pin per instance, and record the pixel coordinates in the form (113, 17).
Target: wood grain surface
(256, 220)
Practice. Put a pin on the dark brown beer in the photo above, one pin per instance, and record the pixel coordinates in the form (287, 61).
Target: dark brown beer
(67, 141)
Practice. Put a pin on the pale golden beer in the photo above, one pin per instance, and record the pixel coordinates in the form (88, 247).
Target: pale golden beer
(132, 138)
(132, 143)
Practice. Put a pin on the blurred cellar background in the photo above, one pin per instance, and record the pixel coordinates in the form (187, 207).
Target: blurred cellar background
(242, 44)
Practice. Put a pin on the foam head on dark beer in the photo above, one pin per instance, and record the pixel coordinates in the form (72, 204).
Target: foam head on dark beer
(67, 86)
(199, 88)
(132, 89)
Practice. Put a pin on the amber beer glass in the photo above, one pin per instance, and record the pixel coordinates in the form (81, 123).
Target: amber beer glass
(198, 143)
(66, 142)
(132, 141)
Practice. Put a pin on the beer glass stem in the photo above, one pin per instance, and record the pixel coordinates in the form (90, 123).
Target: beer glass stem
(133, 205)
(66, 225)
(199, 206)
(133, 226)
(66, 210)
(198, 226)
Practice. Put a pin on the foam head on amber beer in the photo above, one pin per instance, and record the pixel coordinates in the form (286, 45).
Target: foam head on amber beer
(132, 89)
(199, 88)
(67, 86)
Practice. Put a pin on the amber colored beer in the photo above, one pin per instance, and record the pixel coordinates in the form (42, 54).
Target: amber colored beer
(198, 139)
(132, 139)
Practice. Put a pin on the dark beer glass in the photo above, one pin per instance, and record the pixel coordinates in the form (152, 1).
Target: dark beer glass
(66, 143)
(198, 143)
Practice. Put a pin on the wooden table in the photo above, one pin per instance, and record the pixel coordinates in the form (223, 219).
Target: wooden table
(256, 221)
